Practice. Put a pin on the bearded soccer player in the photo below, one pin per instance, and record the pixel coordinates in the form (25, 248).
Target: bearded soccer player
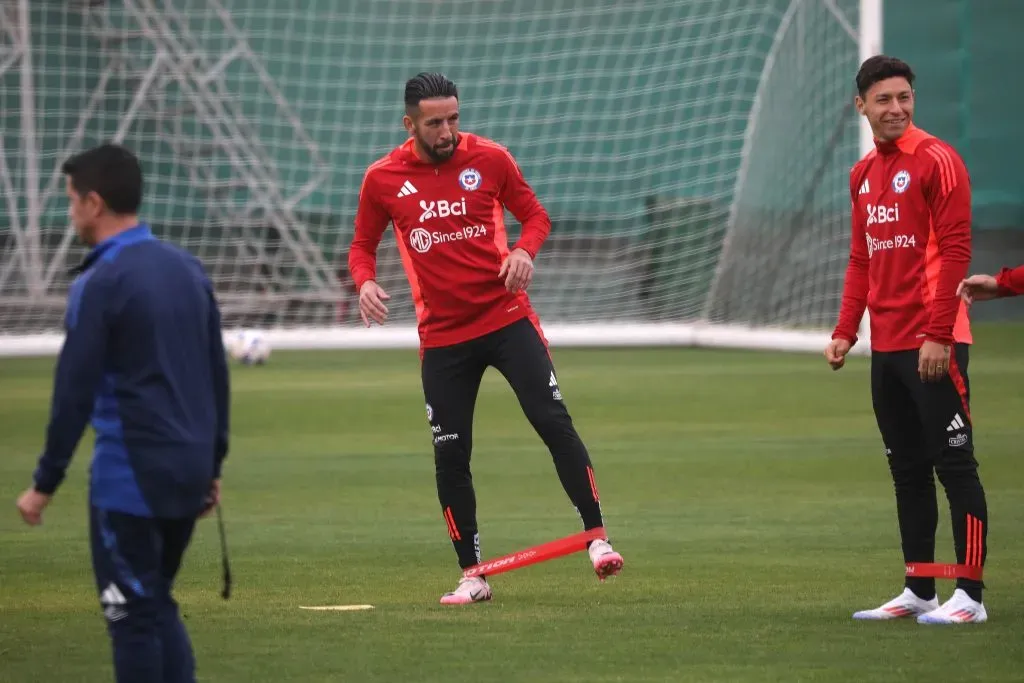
(445, 192)
(910, 249)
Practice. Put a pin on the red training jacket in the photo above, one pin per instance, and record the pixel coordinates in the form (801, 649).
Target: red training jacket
(450, 228)
(1010, 281)
(911, 244)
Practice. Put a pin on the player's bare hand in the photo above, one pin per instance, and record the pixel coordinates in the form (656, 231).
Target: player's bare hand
(31, 504)
(517, 270)
(835, 352)
(978, 288)
(933, 361)
(212, 499)
(371, 303)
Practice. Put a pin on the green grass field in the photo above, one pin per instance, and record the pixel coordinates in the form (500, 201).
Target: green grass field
(748, 493)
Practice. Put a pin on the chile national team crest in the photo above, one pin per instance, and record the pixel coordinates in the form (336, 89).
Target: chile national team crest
(900, 182)
(469, 179)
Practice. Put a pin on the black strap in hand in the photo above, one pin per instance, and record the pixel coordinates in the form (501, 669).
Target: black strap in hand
(226, 593)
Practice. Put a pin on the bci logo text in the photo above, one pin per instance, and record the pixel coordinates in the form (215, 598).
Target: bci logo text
(442, 209)
(879, 214)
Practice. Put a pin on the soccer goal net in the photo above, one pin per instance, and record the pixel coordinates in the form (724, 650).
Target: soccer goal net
(693, 154)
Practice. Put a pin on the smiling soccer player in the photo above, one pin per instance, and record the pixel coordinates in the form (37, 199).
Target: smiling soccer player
(910, 249)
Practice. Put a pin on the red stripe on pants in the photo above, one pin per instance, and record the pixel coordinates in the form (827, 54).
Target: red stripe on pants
(958, 382)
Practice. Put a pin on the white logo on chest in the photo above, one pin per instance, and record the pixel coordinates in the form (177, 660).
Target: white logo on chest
(880, 213)
(442, 209)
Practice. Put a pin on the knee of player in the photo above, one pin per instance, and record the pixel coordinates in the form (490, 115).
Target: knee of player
(911, 471)
(553, 423)
(956, 465)
(451, 447)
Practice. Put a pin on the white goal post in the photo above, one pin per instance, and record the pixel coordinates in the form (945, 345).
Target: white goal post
(693, 156)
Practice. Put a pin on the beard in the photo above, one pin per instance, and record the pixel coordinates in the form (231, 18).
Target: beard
(439, 153)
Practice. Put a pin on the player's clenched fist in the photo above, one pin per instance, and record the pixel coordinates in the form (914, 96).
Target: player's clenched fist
(31, 505)
(371, 303)
(517, 270)
(835, 352)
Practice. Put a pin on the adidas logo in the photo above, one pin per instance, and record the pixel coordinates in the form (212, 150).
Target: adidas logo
(864, 188)
(112, 596)
(113, 600)
(956, 424)
(407, 189)
(553, 384)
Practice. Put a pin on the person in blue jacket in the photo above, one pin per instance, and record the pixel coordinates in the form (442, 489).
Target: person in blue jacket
(143, 360)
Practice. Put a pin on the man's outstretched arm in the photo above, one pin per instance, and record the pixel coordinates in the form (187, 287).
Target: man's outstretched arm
(1007, 282)
(1010, 281)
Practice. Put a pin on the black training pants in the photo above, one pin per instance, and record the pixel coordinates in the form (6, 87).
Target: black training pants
(926, 427)
(451, 380)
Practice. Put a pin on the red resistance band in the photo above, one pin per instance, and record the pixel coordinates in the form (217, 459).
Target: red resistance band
(538, 553)
(944, 571)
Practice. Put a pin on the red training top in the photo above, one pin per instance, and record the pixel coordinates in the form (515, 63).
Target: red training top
(449, 222)
(911, 244)
(1010, 281)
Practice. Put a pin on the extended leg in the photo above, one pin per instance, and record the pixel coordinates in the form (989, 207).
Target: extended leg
(522, 357)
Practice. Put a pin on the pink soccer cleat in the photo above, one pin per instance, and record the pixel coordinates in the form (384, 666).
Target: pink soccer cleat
(606, 561)
(470, 590)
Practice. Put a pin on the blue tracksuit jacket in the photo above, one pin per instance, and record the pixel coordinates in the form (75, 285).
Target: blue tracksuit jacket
(143, 357)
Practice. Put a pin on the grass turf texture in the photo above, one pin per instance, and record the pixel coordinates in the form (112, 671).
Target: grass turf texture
(748, 493)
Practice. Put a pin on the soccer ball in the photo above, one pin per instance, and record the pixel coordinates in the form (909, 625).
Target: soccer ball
(249, 348)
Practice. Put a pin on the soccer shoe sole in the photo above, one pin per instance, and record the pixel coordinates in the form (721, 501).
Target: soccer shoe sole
(471, 601)
(932, 621)
(608, 566)
(886, 615)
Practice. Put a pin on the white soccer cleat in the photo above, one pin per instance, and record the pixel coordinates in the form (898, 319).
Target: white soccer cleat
(470, 590)
(606, 561)
(906, 604)
(959, 609)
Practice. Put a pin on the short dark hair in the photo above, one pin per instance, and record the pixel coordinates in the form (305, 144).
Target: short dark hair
(426, 86)
(112, 172)
(879, 68)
